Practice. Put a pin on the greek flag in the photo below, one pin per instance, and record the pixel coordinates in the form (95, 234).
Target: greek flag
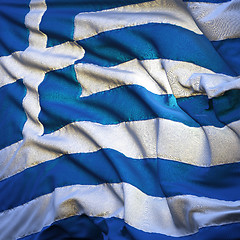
(120, 119)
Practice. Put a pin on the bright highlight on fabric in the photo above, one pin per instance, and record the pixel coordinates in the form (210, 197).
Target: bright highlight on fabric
(119, 119)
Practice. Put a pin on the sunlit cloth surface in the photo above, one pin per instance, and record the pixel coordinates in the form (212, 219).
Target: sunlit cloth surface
(120, 119)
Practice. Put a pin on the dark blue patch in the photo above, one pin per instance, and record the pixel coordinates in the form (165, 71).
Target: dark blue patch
(229, 50)
(14, 34)
(61, 104)
(155, 177)
(152, 41)
(204, 111)
(12, 114)
(58, 20)
(98, 228)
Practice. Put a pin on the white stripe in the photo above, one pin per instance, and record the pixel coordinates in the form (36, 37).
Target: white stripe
(205, 146)
(213, 84)
(159, 76)
(175, 216)
(187, 79)
(148, 74)
(10, 69)
(8, 158)
(159, 11)
(37, 39)
(33, 61)
(218, 21)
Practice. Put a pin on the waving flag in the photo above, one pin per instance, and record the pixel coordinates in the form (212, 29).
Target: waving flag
(120, 119)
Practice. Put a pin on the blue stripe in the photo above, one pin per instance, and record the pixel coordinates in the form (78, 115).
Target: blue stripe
(155, 177)
(59, 27)
(12, 114)
(229, 49)
(215, 112)
(14, 34)
(61, 105)
(98, 228)
(168, 41)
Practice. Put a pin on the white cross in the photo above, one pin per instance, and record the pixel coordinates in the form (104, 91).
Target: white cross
(32, 64)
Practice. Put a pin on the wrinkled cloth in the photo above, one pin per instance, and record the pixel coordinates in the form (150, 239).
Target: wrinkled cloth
(120, 119)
